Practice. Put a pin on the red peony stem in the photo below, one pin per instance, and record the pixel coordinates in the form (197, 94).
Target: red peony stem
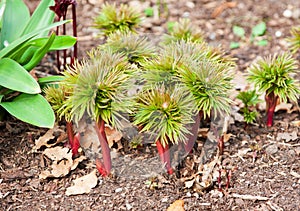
(100, 167)
(100, 128)
(164, 154)
(194, 134)
(70, 132)
(271, 100)
(221, 145)
(76, 144)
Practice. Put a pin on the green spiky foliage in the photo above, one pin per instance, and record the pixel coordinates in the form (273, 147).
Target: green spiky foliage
(56, 96)
(165, 112)
(274, 75)
(184, 30)
(250, 99)
(136, 48)
(163, 69)
(294, 39)
(210, 83)
(98, 87)
(112, 19)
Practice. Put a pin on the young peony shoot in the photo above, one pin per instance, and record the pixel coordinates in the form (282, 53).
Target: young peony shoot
(165, 113)
(98, 88)
(274, 75)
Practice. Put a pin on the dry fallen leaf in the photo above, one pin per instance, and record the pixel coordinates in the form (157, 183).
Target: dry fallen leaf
(43, 140)
(62, 162)
(284, 107)
(113, 136)
(83, 184)
(287, 136)
(177, 205)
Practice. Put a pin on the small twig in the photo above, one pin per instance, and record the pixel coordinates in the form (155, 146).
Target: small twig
(250, 197)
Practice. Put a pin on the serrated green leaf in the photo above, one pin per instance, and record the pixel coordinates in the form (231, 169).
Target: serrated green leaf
(259, 29)
(234, 45)
(15, 77)
(33, 109)
(238, 31)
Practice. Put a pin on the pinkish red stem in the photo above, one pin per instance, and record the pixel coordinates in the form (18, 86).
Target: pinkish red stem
(164, 154)
(100, 128)
(191, 138)
(271, 100)
(74, 140)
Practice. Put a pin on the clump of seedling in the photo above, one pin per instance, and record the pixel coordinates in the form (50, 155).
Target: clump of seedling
(274, 75)
(112, 19)
(294, 40)
(98, 88)
(250, 99)
(257, 31)
(165, 112)
(136, 48)
(183, 30)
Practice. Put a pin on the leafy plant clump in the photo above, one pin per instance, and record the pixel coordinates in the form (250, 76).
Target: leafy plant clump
(98, 87)
(294, 40)
(23, 44)
(257, 31)
(274, 75)
(250, 100)
(183, 30)
(112, 19)
(165, 113)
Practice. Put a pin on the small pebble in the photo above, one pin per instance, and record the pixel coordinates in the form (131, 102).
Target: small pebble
(128, 206)
(278, 33)
(272, 149)
(190, 4)
(287, 13)
(118, 190)
(186, 15)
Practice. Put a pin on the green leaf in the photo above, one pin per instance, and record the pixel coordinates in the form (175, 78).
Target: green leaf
(259, 29)
(16, 44)
(262, 43)
(41, 17)
(15, 17)
(170, 26)
(238, 31)
(51, 79)
(33, 109)
(234, 45)
(149, 12)
(15, 77)
(60, 42)
(39, 54)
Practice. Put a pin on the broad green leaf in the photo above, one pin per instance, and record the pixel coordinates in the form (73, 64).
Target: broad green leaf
(39, 54)
(14, 76)
(259, 29)
(33, 109)
(238, 31)
(42, 16)
(60, 42)
(17, 43)
(234, 45)
(15, 17)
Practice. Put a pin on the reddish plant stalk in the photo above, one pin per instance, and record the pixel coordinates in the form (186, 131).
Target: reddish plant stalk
(164, 154)
(191, 138)
(221, 145)
(100, 167)
(74, 32)
(74, 140)
(100, 129)
(271, 100)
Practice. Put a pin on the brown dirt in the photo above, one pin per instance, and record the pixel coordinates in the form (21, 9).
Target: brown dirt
(263, 165)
